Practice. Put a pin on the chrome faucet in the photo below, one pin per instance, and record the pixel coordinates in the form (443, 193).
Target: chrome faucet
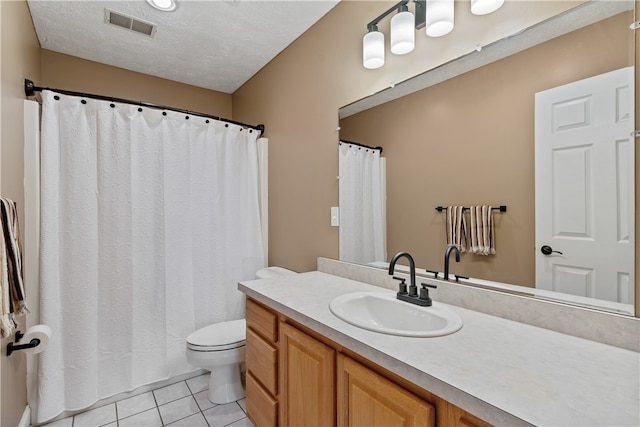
(413, 289)
(446, 259)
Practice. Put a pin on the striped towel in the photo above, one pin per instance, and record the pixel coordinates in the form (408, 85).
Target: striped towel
(11, 284)
(456, 227)
(483, 240)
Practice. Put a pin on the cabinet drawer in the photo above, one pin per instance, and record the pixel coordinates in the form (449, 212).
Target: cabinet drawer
(262, 409)
(262, 361)
(262, 320)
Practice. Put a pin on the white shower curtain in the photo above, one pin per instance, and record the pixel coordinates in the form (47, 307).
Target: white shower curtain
(148, 221)
(362, 204)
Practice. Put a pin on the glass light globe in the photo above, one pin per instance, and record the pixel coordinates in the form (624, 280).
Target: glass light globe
(164, 5)
(484, 7)
(373, 50)
(403, 33)
(439, 17)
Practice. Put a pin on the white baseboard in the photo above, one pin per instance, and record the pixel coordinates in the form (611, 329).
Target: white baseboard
(25, 421)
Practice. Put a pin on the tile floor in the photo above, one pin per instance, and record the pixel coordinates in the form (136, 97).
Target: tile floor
(183, 404)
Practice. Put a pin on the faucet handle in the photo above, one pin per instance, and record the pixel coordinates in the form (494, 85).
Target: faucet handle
(402, 290)
(458, 277)
(424, 293)
(435, 273)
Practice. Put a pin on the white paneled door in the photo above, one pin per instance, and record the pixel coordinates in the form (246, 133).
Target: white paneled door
(584, 156)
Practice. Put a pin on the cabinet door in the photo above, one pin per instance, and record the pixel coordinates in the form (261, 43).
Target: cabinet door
(451, 416)
(367, 399)
(306, 380)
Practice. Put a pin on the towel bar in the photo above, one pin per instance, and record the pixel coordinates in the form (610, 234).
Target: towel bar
(501, 208)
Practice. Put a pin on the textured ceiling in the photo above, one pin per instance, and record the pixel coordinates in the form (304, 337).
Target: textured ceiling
(214, 44)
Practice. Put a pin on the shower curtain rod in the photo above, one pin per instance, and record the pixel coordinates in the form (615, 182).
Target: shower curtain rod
(361, 145)
(30, 89)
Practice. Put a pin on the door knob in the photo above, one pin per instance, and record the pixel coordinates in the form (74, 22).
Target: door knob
(548, 250)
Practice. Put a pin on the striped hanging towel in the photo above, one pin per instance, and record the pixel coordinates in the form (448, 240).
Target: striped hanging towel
(482, 236)
(11, 285)
(456, 227)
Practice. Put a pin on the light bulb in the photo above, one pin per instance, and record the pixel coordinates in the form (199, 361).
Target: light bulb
(164, 5)
(439, 19)
(402, 33)
(373, 50)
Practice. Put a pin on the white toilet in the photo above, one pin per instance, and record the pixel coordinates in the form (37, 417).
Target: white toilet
(220, 347)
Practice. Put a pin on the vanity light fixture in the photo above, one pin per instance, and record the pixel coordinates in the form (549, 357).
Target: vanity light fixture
(402, 33)
(402, 36)
(435, 15)
(439, 17)
(484, 7)
(163, 5)
(373, 48)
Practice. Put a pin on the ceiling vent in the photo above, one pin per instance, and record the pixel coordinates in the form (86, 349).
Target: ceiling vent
(129, 23)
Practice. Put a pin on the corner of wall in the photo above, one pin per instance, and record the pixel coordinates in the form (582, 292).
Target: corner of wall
(20, 59)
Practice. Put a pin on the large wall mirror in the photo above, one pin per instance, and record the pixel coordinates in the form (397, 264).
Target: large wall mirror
(470, 136)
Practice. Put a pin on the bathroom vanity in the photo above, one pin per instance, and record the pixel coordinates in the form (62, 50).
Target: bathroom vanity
(300, 377)
(305, 366)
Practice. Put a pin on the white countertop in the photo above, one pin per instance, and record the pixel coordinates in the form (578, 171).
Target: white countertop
(505, 372)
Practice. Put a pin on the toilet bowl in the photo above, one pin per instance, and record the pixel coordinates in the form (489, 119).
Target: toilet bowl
(220, 348)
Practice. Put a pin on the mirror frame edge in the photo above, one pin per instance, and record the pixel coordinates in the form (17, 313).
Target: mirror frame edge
(637, 162)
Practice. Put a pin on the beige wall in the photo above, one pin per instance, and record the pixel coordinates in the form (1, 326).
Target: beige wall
(68, 72)
(470, 141)
(298, 94)
(20, 55)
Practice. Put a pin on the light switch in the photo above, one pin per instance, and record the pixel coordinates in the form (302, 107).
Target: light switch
(335, 216)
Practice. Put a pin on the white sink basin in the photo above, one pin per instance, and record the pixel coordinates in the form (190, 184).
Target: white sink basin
(382, 312)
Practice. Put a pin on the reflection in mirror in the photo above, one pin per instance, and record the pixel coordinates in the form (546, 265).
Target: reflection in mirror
(472, 140)
(362, 210)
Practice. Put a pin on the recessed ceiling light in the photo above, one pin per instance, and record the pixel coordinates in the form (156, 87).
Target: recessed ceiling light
(164, 5)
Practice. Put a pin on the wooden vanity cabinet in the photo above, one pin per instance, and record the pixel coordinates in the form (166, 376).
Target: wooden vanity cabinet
(307, 372)
(451, 415)
(364, 398)
(297, 378)
(261, 364)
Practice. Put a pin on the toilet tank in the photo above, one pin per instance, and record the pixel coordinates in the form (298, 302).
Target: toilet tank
(273, 272)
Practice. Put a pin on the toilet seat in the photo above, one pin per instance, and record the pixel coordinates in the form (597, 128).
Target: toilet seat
(218, 337)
